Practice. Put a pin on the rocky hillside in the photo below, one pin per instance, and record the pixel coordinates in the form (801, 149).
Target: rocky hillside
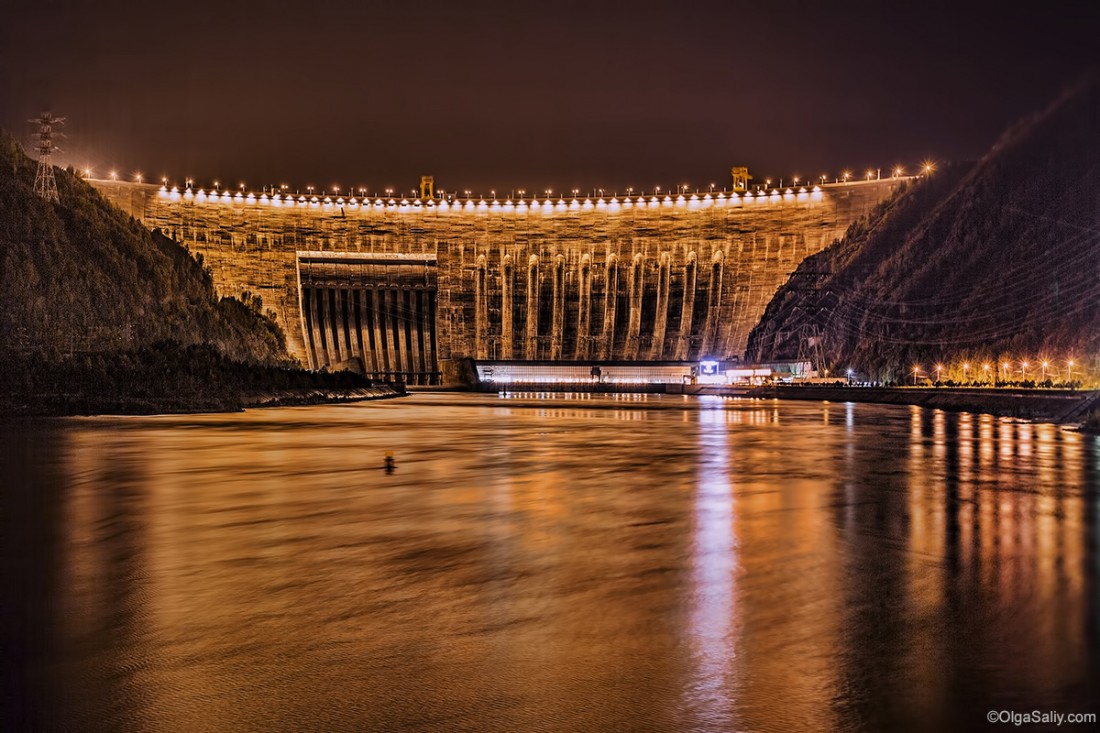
(81, 277)
(998, 260)
(97, 314)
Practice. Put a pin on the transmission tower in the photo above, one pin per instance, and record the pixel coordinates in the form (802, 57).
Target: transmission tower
(44, 183)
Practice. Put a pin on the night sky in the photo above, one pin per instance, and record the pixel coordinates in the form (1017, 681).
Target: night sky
(532, 96)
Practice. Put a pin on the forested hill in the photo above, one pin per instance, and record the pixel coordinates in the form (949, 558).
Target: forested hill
(999, 260)
(99, 315)
(81, 277)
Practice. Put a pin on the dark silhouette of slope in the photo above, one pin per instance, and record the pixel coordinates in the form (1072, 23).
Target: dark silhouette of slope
(81, 276)
(991, 261)
(97, 314)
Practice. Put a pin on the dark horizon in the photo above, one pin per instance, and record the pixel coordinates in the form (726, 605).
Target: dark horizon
(541, 96)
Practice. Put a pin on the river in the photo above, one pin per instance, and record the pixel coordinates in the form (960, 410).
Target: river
(564, 563)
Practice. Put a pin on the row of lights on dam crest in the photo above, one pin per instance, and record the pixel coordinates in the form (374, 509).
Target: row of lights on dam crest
(684, 194)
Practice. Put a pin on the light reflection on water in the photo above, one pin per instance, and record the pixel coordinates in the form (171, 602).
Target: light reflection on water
(651, 562)
(713, 606)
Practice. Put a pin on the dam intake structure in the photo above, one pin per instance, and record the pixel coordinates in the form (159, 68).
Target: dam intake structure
(407, 289)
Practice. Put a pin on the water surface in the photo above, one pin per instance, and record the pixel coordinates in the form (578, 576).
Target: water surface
(561, 564)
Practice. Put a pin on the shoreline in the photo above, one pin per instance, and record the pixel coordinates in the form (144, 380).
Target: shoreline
(1065, 407)
(80, 406)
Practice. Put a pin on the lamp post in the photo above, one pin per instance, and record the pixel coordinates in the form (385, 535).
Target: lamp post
(985, 368)
(1069, 369)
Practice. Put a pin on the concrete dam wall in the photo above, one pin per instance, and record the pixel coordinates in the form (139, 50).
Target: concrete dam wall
(407, 288)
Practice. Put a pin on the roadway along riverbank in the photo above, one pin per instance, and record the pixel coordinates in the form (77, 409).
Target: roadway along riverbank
(1047, 405)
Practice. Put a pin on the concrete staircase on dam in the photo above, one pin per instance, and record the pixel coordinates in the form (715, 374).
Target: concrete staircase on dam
(407, 289)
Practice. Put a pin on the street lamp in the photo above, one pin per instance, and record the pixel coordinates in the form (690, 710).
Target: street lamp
(916, 369)
(1045, 364)
(1069, 368)
(939, 370)
(985, 368)
(1023, 370)
(966, 368)
(1004, 369)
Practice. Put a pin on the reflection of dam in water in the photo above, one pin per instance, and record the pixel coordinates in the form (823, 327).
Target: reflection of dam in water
(411, 287)
(610, 558)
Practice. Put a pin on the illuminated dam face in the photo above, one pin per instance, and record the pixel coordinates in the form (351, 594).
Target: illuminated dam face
(409, 288)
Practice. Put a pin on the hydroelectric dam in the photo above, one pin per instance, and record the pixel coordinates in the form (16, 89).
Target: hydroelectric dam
(408, 288)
